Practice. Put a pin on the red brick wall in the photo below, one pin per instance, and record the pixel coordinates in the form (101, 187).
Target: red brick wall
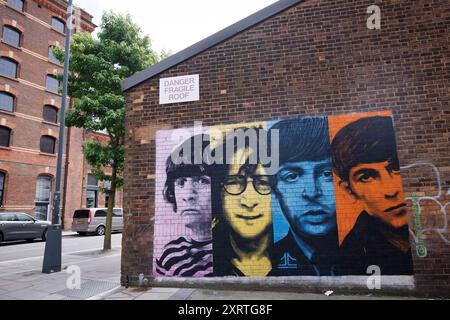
(23, 162)
(317, 58)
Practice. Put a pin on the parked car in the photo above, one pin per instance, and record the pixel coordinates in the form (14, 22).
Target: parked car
(93, 220)
(21, 226)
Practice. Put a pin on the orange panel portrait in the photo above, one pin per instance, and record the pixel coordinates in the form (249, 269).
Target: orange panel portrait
(370, 204)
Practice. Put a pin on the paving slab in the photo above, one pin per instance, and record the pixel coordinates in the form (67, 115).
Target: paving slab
(154, 296)
(263, 295)
(15, 286)
(26, 294)
(52, 297)
(119, 295)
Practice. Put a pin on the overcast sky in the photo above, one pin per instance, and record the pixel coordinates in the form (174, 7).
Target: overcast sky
(174, 25)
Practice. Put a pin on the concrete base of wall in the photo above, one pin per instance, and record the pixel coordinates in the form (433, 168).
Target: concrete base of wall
(390, 285)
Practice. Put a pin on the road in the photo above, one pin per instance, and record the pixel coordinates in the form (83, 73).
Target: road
(71, 244)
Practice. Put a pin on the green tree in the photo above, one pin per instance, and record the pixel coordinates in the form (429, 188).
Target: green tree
(97, 68)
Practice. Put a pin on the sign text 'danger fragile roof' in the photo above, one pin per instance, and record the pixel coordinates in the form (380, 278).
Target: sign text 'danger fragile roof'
(179, 89)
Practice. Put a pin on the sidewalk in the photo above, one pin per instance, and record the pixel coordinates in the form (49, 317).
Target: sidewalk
(23, 279)
(202, 294)
(99, 279)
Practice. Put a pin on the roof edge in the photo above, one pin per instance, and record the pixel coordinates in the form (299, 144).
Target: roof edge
(209, 42)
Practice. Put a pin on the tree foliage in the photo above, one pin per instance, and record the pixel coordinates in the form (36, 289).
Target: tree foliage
(97, 68)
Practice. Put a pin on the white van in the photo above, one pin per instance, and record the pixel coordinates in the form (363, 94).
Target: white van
(93, 220)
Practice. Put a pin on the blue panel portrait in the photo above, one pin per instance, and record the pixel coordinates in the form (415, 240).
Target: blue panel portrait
(304, 209)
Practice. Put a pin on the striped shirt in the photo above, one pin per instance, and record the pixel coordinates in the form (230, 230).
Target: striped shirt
(186, 258)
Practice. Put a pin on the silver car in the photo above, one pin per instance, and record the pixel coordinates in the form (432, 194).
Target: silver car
(93, 220)
(21, 226)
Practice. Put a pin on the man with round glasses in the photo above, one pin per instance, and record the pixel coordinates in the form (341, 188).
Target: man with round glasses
(243, 213)
(236, 185)
(305, 191)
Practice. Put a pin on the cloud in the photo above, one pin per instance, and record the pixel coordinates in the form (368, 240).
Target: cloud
(176, 24)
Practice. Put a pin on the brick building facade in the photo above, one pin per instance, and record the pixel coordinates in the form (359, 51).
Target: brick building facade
(29, 111)
(307, 58)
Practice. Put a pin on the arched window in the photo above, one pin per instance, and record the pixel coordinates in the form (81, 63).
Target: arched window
(17, 4)
(42, 202)
(52, 84)
(8, 67)
(6, 101)
(2, 186)
(58, 25)
(51, 56)
(5, 136)
(48, 144)
(50, 114)
(11, 36)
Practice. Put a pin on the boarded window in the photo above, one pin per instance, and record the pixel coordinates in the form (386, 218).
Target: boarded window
(5, 136)
(50, 114)
(2, 187)
(48, 144)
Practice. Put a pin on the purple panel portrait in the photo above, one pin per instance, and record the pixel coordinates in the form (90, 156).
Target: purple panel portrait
(183, 235)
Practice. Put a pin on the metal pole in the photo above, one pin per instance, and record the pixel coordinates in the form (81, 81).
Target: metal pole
(52, 256)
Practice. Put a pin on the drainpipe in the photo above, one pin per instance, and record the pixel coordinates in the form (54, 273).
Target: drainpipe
(66, 171)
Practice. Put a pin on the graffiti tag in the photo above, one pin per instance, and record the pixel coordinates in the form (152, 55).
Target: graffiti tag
(437, 200)
(420, 248)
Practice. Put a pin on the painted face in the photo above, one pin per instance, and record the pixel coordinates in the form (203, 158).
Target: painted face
(379, 187)
(249, 213)
(193, 199)
(306, 194)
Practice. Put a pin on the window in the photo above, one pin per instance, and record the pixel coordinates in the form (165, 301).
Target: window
(107, 187)
(81, 214)
(16, 4)
(48, 144)
(6, 102)
(52, 84)
(118, 212)
(101, 214)
(2, 187)
(92, 192)
(11, 36)
(50, 114)
(8, 217)
(91, 199)
(58, 25)
(5, 136)
(24, 217)
(42, 202)
(51, 56)
(8, 67)
(92, 181)
(106, 198)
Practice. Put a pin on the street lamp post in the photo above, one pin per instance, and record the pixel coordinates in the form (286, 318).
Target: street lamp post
(52, 255)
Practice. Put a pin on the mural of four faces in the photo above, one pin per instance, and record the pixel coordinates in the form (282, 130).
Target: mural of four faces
(333, 205)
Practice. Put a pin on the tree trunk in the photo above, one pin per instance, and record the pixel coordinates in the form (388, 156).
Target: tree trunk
(112, 195)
